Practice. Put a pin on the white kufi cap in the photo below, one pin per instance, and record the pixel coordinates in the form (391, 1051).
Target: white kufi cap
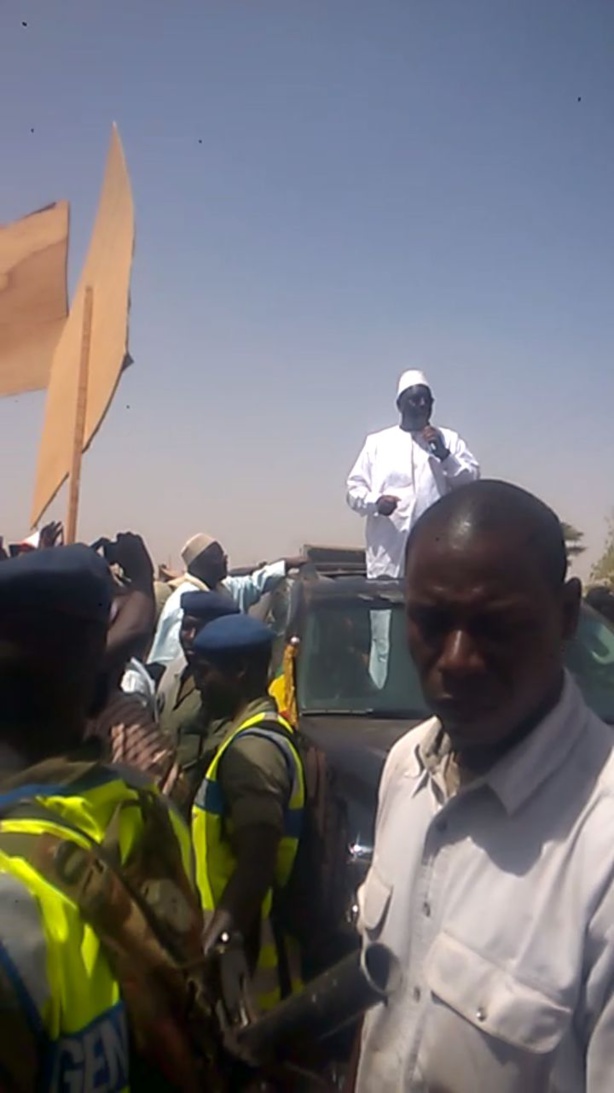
(412, 379)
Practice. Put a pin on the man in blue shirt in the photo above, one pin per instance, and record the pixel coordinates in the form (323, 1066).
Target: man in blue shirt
(206, 565)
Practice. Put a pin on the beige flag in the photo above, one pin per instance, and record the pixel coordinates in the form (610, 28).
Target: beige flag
(107, 273)
(33, 297)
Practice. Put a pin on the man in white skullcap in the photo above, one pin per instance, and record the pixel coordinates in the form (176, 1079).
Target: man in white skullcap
(206, 565)
(400, 473)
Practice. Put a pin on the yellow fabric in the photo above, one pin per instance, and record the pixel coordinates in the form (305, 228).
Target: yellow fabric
(83, 1015)
(277, 691)
(289, 675)
(216, 863)
(283, 687)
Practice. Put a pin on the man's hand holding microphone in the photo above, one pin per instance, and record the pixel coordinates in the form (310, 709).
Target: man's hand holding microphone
(435, 442)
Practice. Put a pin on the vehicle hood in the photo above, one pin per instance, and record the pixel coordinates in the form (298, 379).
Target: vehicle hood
(342, 736)
(356, 749)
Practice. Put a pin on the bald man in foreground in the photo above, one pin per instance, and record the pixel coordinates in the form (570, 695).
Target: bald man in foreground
(493, 870)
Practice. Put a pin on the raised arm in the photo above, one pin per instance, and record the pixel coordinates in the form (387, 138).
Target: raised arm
(460, 467)
(248, 591)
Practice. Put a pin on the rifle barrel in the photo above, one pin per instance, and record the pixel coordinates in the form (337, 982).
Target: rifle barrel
(325, 1005)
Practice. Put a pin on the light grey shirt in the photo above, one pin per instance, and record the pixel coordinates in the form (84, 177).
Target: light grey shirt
(498, 902)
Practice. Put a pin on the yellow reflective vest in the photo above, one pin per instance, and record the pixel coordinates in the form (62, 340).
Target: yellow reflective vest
(215, 860)
(52, 966)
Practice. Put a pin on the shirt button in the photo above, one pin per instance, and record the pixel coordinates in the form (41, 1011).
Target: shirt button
(426, 908)
(417, 994)
(480, 1013)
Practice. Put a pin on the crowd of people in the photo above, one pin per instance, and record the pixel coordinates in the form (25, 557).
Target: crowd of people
(102, 690)
(153, 801)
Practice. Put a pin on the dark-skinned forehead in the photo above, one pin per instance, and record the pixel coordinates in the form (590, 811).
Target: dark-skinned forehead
(499, 512)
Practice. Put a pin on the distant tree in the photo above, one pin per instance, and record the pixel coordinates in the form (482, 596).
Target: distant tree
(603, 570)
(573, 541)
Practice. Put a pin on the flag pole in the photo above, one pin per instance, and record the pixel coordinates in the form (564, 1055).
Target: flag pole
(74, 480)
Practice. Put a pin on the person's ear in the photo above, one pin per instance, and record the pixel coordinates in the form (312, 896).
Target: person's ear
(571, 600)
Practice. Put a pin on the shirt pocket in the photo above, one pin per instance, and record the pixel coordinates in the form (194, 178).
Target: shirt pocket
(373, 902)
(492, 1000)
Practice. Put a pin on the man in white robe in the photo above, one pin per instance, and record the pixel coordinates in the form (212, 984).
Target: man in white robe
(399, 474)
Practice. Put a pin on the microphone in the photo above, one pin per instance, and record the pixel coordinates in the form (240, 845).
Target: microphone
(433, 444)
(437, 446)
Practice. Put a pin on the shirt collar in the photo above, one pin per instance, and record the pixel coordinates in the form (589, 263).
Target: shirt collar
(416, 767)
(516, 777)
(258, 706)
(183, 583)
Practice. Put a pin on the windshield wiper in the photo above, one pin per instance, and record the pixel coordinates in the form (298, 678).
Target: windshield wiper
(383, 715)
(334, 711)
(405, 715)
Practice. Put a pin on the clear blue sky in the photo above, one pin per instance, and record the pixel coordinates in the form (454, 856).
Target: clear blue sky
(381, 184)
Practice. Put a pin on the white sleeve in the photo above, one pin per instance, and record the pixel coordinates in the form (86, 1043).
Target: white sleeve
(461, 467)
(166, 645)
(597, 999)
(360, 495)
(599, 1052)
(248, 591)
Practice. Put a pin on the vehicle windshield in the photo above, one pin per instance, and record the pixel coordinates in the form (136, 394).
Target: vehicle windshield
(335, 674)
(590, 657)
(354, 661)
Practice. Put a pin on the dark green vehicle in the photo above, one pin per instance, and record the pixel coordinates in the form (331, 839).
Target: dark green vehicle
(330, 618)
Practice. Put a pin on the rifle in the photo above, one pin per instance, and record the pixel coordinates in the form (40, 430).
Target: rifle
(269, 1044)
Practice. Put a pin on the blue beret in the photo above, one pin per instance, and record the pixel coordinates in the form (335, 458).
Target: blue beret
(67, 580)
(207, 606)
(233, 635)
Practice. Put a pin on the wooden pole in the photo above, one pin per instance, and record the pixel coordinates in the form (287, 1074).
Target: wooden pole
(74, 481)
